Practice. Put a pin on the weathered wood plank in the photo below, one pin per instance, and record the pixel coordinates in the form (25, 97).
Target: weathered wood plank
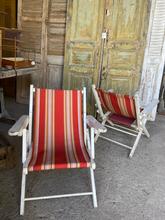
(44, 42)
(45, 37)
(19, 72)
(56, 27)
(0, 48)
(19, 14)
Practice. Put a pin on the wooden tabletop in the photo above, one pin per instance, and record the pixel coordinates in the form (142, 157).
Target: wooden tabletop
(17, 72)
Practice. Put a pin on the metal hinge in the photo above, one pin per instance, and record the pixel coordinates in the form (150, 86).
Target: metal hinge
(104, 35)
(107, 12)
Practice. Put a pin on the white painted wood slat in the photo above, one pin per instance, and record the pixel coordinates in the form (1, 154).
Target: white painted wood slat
(154, 54)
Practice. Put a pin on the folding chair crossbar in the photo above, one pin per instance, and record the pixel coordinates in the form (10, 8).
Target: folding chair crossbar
(59, 196)
(128, 129)
(116, 142)
(117, 129)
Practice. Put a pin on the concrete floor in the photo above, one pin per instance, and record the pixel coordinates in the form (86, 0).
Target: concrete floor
(127, 189)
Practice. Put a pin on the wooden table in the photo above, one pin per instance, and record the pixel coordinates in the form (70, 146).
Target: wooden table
(7, 73)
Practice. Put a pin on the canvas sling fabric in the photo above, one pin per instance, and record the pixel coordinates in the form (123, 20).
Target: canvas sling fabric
(58, 139)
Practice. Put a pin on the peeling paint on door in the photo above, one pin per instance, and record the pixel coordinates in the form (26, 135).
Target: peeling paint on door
(126, 25)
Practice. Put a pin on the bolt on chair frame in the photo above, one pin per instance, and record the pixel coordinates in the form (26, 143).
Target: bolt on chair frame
(136, 130)
(23, 127)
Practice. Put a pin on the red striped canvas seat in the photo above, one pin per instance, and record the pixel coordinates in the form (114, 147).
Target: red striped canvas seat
(122, 107)
(119, 119)
(58, 139)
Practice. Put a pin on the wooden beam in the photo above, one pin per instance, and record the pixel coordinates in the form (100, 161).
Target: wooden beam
(0, 48)
(44, 44)
(19, 15)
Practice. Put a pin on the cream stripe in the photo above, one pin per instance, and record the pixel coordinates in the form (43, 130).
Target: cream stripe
(65, 127)
(72, 134)
(48, 161)
(125, 107)
(122, 105)
(69, 129)
(108, 102)
(45, 134)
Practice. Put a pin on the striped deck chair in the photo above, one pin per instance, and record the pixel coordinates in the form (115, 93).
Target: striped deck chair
(56, 135)
(124, 114)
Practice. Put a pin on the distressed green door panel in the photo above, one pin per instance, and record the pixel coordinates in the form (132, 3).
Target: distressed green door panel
(85, 18)
(82, 43)
(126, 22)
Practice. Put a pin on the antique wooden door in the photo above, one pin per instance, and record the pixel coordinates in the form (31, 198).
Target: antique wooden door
(126, 24)
(82, 44)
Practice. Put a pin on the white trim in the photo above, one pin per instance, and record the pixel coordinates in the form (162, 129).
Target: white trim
(23, 184)
(93, 188)
(24, 146)
(92, 144)
(135, 144)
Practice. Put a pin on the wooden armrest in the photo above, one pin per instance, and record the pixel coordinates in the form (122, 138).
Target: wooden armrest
(149, 108)
(17, 128)
(93, 123)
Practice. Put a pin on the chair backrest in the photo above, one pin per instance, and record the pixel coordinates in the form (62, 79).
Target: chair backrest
(117, 103)
(57, 118)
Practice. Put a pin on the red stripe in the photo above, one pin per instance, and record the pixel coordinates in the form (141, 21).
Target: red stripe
(113, 99)
(41, 131)
(60, 157)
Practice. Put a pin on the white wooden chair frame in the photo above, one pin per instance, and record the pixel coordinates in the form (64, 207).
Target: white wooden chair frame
(136, 130)
(23, 127)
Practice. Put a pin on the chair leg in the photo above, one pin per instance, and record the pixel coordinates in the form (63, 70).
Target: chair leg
(146, 131)
(135, 144)
(98, 133)
(93, 188)
(97, 136)
(23, 193)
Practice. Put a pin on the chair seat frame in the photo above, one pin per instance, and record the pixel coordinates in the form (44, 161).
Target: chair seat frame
(23, 127)
(136, 130)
